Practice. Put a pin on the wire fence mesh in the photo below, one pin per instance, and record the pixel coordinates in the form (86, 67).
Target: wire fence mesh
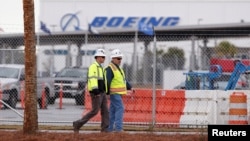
(159, 84)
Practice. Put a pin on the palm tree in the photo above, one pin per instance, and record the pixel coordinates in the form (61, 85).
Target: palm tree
(225, 49)
(174, 58)
(30, 125)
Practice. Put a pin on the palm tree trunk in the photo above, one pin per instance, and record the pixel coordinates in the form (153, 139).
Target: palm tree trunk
(30, 125)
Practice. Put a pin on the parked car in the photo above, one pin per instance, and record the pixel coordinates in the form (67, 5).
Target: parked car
(12, 81)
(72, 80)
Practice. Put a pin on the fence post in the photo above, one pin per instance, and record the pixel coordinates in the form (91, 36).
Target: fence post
(1, 96)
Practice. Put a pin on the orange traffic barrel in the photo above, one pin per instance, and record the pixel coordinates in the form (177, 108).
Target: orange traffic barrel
(238, 109)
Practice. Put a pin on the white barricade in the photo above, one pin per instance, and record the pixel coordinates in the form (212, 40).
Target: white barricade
(198, 108)
(208, 106)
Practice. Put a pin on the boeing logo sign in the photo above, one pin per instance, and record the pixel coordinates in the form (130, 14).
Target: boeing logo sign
(71, 21)
(122, 22)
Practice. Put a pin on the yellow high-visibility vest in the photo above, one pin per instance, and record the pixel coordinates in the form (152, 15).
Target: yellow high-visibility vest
(118, 83)
(95, 73)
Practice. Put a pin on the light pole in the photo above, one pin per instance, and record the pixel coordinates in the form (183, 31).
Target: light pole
(52, 63)
(198, 44)
(192, 57)
(199, 20)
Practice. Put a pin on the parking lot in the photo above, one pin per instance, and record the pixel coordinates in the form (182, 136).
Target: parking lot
(55, 114)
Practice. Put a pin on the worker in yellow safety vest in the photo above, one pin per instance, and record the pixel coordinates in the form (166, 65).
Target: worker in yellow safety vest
(96, 88)
(116, 87)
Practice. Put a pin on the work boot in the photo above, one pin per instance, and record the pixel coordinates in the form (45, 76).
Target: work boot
(119, 131)
(105, 131)
(75, 127)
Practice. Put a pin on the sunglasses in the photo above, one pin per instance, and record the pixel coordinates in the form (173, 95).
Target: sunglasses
(118, 58)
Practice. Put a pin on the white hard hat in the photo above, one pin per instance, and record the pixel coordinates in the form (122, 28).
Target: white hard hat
(99, 52)
(116, 53)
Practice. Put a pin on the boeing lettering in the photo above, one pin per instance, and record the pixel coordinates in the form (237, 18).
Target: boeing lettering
(122, 22)
(69, 20)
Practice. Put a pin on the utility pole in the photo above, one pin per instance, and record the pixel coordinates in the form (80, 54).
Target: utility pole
(192, 56)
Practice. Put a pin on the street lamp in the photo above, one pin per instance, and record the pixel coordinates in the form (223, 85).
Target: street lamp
(52, 61)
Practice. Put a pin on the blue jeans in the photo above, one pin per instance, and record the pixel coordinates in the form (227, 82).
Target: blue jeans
(116, 111)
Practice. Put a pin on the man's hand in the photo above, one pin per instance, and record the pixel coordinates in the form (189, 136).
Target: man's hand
(130, 92)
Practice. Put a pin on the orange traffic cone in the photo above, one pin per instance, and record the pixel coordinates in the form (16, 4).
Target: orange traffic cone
(43, 97)
(60, 97)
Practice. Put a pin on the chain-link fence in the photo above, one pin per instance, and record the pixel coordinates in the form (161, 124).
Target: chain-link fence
(159, 71)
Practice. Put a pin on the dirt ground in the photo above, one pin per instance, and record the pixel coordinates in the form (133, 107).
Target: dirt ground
(67, 136)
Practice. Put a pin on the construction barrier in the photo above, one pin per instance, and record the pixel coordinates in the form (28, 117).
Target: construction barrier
(198, 108)
(138, 106)
(238, 109)
(169, 106)
(178, 108)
